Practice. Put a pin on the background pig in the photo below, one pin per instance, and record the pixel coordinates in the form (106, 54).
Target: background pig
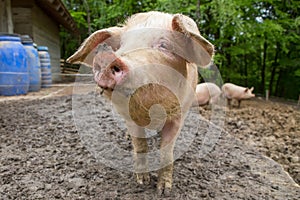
(231, 91)
(207, 93)
(147, 68)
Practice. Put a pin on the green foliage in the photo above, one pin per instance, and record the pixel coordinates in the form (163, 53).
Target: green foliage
(79, 17)
(257, 42)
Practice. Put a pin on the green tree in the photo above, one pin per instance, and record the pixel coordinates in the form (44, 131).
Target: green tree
(257, 42)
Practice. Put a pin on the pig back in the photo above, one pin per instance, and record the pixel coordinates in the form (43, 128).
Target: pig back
(232, 91)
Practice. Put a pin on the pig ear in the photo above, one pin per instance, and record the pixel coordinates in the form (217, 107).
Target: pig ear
(188, 27)
(251, 89)
(112, 35)
(246, 90)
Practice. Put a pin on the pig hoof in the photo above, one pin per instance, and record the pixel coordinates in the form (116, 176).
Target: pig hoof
(164, 192)
(164, 189)
(160, 192)
(143, 178)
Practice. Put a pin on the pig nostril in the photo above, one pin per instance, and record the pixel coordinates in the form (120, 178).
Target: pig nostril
(116, 69)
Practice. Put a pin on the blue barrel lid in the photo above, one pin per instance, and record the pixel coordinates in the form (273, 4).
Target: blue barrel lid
(42, 48)
(9, 37)
(26, 39)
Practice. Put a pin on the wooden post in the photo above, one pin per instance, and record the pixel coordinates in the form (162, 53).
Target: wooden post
(10, 25)
(267, 95)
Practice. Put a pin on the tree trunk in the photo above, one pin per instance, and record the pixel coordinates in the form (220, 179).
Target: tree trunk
(278, 82)
(88, 17)
(263, 70)
(245, 70)
(274, 69)
(198, 12)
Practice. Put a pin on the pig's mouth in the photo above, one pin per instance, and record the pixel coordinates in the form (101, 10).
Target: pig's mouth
(122, 90)
(102, 90)
(110, 80)
(127, 92)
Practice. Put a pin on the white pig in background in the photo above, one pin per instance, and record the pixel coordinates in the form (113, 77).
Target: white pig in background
(207, 93)
(151, 60)
(231, 91)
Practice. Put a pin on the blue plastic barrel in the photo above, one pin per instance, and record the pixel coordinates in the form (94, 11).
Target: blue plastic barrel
(33, 62)
(14, 77)
(45, 66)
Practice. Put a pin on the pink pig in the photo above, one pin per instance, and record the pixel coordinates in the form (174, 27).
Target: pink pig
(207, 93)
(231, 91)
(150, 60)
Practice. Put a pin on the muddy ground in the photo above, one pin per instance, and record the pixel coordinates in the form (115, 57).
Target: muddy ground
(42, 155)
(272, 128)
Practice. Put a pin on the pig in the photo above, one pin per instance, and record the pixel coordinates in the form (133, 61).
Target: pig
(231, 91)
(147, 67)
(207, 94)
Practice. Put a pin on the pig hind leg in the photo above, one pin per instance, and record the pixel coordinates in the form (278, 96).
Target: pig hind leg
(229, 102)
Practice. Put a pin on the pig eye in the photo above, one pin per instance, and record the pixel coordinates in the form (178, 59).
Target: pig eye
(163, 45)
(116, 69)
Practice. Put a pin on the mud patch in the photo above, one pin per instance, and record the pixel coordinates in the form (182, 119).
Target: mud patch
(42, 156)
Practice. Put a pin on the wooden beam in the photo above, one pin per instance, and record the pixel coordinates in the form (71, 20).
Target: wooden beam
(57, 11)
(10, 24)
(57, 7)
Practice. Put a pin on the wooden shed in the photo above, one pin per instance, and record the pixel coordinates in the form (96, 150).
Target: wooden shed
(41, 20)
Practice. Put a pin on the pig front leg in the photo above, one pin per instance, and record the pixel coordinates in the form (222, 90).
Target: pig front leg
(140, 148)
(239, 103)
(168, 138)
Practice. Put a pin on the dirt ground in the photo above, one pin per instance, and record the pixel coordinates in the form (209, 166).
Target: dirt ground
(43, 156)
(272, 128)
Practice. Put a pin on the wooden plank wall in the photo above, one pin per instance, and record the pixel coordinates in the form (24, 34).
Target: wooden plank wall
(31, 20)
(46, 33)
(3, 17)
(21, 19)
(6, 22)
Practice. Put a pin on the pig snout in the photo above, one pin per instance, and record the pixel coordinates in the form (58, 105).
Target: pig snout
(109, 71)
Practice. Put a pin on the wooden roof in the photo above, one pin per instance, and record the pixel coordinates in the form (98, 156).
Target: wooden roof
(57, 10)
